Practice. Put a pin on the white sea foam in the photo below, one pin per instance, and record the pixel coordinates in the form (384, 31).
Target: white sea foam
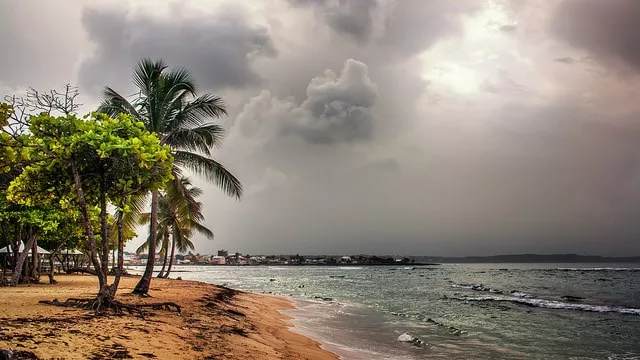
(553, 304)
(520, 294)
(601, 269)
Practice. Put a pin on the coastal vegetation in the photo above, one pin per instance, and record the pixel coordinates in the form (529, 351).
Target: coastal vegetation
(168, 105)
(83, 182)
(179, 215)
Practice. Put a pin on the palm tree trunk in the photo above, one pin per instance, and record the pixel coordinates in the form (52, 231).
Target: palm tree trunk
(173, 251)
(142, 288)
(120, 224)
(165, 245)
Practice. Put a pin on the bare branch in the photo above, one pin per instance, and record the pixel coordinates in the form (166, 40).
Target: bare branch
(35, 102)
(60, 101)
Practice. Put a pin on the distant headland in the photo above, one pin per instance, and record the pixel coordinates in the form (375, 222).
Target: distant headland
(223, 257)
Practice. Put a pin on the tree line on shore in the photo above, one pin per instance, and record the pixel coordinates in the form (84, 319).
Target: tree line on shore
(86, 182)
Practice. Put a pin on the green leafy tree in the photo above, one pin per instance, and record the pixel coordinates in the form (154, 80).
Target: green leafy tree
(168, 105)
(93, 162)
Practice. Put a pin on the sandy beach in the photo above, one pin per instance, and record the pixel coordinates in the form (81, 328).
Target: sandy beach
(215, 324)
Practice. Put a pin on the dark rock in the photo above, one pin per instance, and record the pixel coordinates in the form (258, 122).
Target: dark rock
(6, 354)
(571, 298)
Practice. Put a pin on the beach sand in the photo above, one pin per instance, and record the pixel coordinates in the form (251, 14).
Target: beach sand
(247, 326)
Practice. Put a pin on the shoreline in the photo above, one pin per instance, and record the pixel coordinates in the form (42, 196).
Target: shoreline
(216, 322)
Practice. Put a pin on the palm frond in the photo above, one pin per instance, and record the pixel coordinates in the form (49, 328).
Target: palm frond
(197, 112)
(203, 230)
(211, 170)
(200, 139)
(137, 204)
(146, 74)
(114, 104)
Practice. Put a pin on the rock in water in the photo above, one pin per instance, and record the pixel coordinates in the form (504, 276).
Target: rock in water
(571, 298)
(410, 339)
(404, 337)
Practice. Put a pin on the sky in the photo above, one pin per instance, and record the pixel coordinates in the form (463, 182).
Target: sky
(409, 127)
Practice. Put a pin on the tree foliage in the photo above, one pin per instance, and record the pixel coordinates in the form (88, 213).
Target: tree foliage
(168, 105)
(92, 162)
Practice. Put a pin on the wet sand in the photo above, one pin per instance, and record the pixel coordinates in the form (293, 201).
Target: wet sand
(215, 324)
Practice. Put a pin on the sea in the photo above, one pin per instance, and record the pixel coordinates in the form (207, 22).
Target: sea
(454, 311)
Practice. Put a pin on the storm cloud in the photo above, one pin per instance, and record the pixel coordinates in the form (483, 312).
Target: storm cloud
(354, 18)
(218, 48)
(388, 126)
(607, 29)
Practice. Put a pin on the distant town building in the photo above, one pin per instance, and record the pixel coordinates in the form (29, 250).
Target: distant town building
(218, 260)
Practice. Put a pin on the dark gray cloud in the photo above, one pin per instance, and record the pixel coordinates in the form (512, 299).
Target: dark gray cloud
(412, 26)
(353, 18)
(337, 109)
(539, 179)
(607, 29)
(519, 153)
(400, 28)
(217, 48)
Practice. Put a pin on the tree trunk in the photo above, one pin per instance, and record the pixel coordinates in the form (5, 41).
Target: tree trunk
(120, 225)
(15, 247)
(102, 277)
(142, 288)
(165, 245)
(104, 231)
(34, 275)
(20, 260)
(173, 251)
(52, 280)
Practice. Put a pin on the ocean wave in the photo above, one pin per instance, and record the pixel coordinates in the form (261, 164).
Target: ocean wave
(477, 287)
(599, 269)
(520, 294)
(554, 304)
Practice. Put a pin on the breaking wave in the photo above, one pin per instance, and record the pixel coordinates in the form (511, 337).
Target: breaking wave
(554, 304)
(600, 269)
(522, 298)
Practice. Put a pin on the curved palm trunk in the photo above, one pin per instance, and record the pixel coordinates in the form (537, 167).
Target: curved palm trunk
(142, 288)
(173, 251)
(120, 225)
(165, 245)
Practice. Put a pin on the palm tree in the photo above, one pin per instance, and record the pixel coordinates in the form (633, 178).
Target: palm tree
(179, 215)
(168, 105)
